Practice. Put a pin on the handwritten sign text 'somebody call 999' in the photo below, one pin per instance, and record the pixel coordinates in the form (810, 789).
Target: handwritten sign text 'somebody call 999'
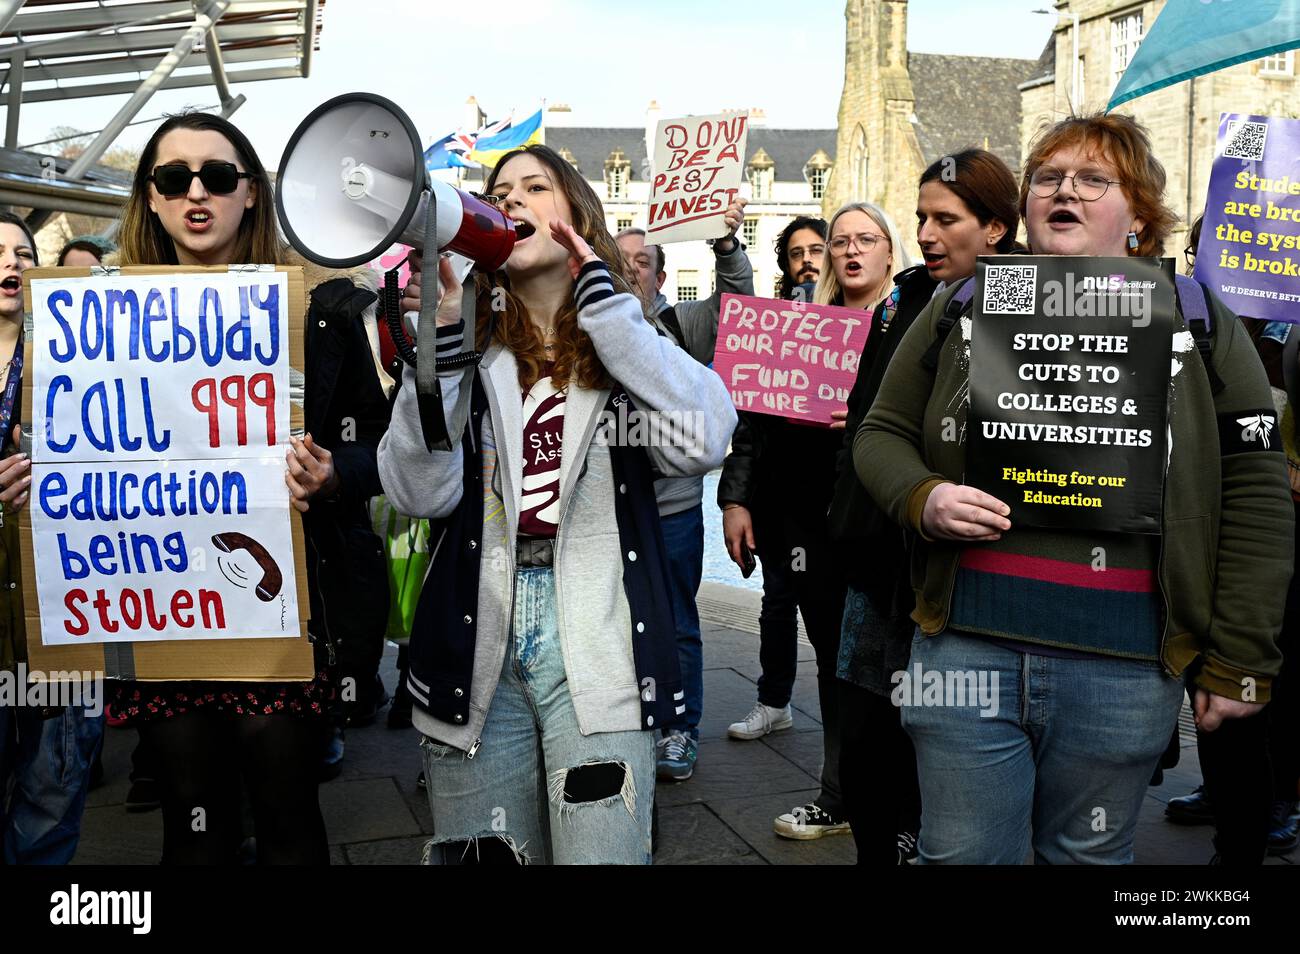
(161, 419)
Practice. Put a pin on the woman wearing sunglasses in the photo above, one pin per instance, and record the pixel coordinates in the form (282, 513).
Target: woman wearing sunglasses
(202, 197)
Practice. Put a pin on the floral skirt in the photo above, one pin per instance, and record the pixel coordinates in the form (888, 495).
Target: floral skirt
(134, 702)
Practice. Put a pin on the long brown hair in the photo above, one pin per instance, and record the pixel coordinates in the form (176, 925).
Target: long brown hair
(575, 355)
(141, 236)
(1125, 143)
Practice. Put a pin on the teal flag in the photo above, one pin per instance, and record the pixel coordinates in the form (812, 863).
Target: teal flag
(1192, 37)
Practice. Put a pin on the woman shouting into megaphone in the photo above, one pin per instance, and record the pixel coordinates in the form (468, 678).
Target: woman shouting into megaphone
(543, 654)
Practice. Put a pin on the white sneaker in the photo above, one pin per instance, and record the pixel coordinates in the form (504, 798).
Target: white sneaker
(809, 822)
(760, 721)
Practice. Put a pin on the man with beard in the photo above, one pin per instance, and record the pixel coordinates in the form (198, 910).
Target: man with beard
(799, 251)
(694, 326)
(776, 485)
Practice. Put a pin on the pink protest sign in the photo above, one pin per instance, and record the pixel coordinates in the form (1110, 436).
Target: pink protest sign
(789, 358)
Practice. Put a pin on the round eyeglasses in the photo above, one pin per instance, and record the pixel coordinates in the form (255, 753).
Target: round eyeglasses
(1088, 186)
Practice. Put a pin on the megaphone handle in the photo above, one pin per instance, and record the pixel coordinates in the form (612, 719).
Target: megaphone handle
(426, 376)
(439, 432)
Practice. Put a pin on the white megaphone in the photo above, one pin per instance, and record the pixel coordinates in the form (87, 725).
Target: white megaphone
(352, 183)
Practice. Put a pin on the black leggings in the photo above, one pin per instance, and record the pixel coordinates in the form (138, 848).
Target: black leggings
(882, 796)
(1248, 763)
(201, 758)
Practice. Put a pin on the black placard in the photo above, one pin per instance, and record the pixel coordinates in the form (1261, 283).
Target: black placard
(1069, 381)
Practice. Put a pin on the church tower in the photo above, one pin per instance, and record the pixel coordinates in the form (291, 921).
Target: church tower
(877, 155)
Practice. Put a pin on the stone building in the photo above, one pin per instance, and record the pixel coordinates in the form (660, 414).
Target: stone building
(900, 111)
(1183, 119)
(787, 171)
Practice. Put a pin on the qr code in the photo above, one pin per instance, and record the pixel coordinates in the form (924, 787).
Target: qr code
(1245, 140)
(1010, 289)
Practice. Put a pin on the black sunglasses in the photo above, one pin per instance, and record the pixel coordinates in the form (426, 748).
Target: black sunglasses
(219, 178)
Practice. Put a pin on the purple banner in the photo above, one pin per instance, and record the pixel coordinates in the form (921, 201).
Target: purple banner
(1249, 253)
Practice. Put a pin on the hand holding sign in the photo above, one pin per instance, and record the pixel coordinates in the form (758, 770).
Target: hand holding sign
(733, 218)
(961, 513)
(15, 477)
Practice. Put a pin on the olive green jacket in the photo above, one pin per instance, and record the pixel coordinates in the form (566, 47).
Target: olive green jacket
(1226, 545)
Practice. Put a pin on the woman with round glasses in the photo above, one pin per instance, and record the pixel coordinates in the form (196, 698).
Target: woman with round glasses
(862, 253)
(1085, 632)
(201, 196)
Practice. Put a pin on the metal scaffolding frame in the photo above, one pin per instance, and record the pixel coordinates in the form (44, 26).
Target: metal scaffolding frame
(62, 49)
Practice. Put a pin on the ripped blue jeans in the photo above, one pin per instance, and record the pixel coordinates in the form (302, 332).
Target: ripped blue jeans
(537, 789)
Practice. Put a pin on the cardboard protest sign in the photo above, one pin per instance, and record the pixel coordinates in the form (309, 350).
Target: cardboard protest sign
(1069, 379)
(1249, 252)
(789, 358)
(159, 523)
(697, 172)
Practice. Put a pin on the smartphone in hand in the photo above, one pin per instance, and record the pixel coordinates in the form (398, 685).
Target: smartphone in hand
(747, 563)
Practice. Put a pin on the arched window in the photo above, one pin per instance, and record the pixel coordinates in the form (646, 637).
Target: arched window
(860, 160)
(817, 171)
(761, 174)
(618, 172)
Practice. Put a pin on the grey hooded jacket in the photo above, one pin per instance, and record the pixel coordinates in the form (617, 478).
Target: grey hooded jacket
(594, 619)
(698, 322)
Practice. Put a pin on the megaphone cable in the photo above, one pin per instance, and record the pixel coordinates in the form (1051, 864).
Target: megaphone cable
(392, 312)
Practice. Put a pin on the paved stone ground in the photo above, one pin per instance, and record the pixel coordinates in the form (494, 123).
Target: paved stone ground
(375, 814)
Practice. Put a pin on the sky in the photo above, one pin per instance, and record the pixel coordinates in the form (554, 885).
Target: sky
(605, 60)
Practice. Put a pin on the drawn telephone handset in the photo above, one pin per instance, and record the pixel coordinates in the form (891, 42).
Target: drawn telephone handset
(271, 580)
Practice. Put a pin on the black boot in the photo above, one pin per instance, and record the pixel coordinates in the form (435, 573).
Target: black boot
(1193, 809)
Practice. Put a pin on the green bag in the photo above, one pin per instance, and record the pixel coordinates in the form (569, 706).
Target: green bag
(406, 541)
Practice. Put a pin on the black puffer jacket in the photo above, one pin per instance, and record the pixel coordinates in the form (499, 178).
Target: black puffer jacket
(346, 409)
(870, 544)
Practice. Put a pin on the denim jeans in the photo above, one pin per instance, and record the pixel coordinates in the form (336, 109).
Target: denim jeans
(1067, 749)
(684, 542)
(48, 763)
(537, 789)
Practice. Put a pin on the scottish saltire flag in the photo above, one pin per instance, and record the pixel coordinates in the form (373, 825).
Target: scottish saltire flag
(489, 149)
(1192, 37)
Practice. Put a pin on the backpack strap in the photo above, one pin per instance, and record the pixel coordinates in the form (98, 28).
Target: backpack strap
(1194, 303)
(957, 305)
(668, 317)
